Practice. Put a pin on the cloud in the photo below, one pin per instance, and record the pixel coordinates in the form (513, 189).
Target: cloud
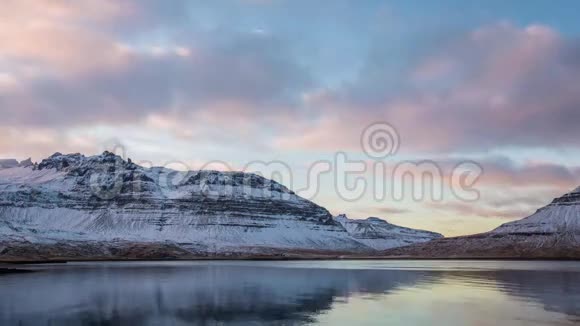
(70, 63)
(91, 10)
(505, 202)
(496, 86)
(499, 85)
(507, 189)
(493, 171)
(510, 190)
(21, 143)
(252, 73)
(505, 173)
(390, 210)
(470, 210)
(59, 36)
(109, 67)
(530, 201)
(502, 171)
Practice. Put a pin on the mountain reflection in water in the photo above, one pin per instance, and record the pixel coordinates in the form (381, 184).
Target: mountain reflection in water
(207, 293)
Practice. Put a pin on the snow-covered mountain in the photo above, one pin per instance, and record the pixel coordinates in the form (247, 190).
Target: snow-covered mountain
(561, 217)
(72, 205)
(381, 235)
(552, 232)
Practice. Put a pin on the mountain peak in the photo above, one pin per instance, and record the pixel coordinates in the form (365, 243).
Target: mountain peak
(107, 157)
(372, 219)
(380, 234)
(56, 154)
(109, 154)
(376, 220)
(60, 161)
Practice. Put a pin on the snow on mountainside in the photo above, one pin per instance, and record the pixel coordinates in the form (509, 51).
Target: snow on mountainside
(381, 235)
(552, 232)
(561, 217)
(72, 205)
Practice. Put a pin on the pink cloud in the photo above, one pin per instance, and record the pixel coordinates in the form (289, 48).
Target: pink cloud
(38, 143)
(497, 86)
(469, 210)
(58, 36)
(551, 175)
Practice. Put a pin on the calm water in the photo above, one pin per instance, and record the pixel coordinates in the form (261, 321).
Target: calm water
(289, 293)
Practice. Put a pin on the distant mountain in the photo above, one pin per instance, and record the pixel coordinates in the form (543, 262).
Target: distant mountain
(73, 206)
(8, 163)
(552, 232)
(12, 163)
(381, 235)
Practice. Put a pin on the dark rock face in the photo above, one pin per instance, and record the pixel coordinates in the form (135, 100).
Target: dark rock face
(569, 199)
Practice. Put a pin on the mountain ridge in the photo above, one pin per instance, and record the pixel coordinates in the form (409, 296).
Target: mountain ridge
(553, 231)
(74, 205)
(381, 235)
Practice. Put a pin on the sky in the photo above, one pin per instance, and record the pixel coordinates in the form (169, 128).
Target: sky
(227, 84)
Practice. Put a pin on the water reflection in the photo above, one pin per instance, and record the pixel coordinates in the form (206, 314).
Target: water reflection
(556, 291)
(249, 293)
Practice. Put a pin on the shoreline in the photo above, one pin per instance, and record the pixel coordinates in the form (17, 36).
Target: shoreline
(334, 258)
(5, 271)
